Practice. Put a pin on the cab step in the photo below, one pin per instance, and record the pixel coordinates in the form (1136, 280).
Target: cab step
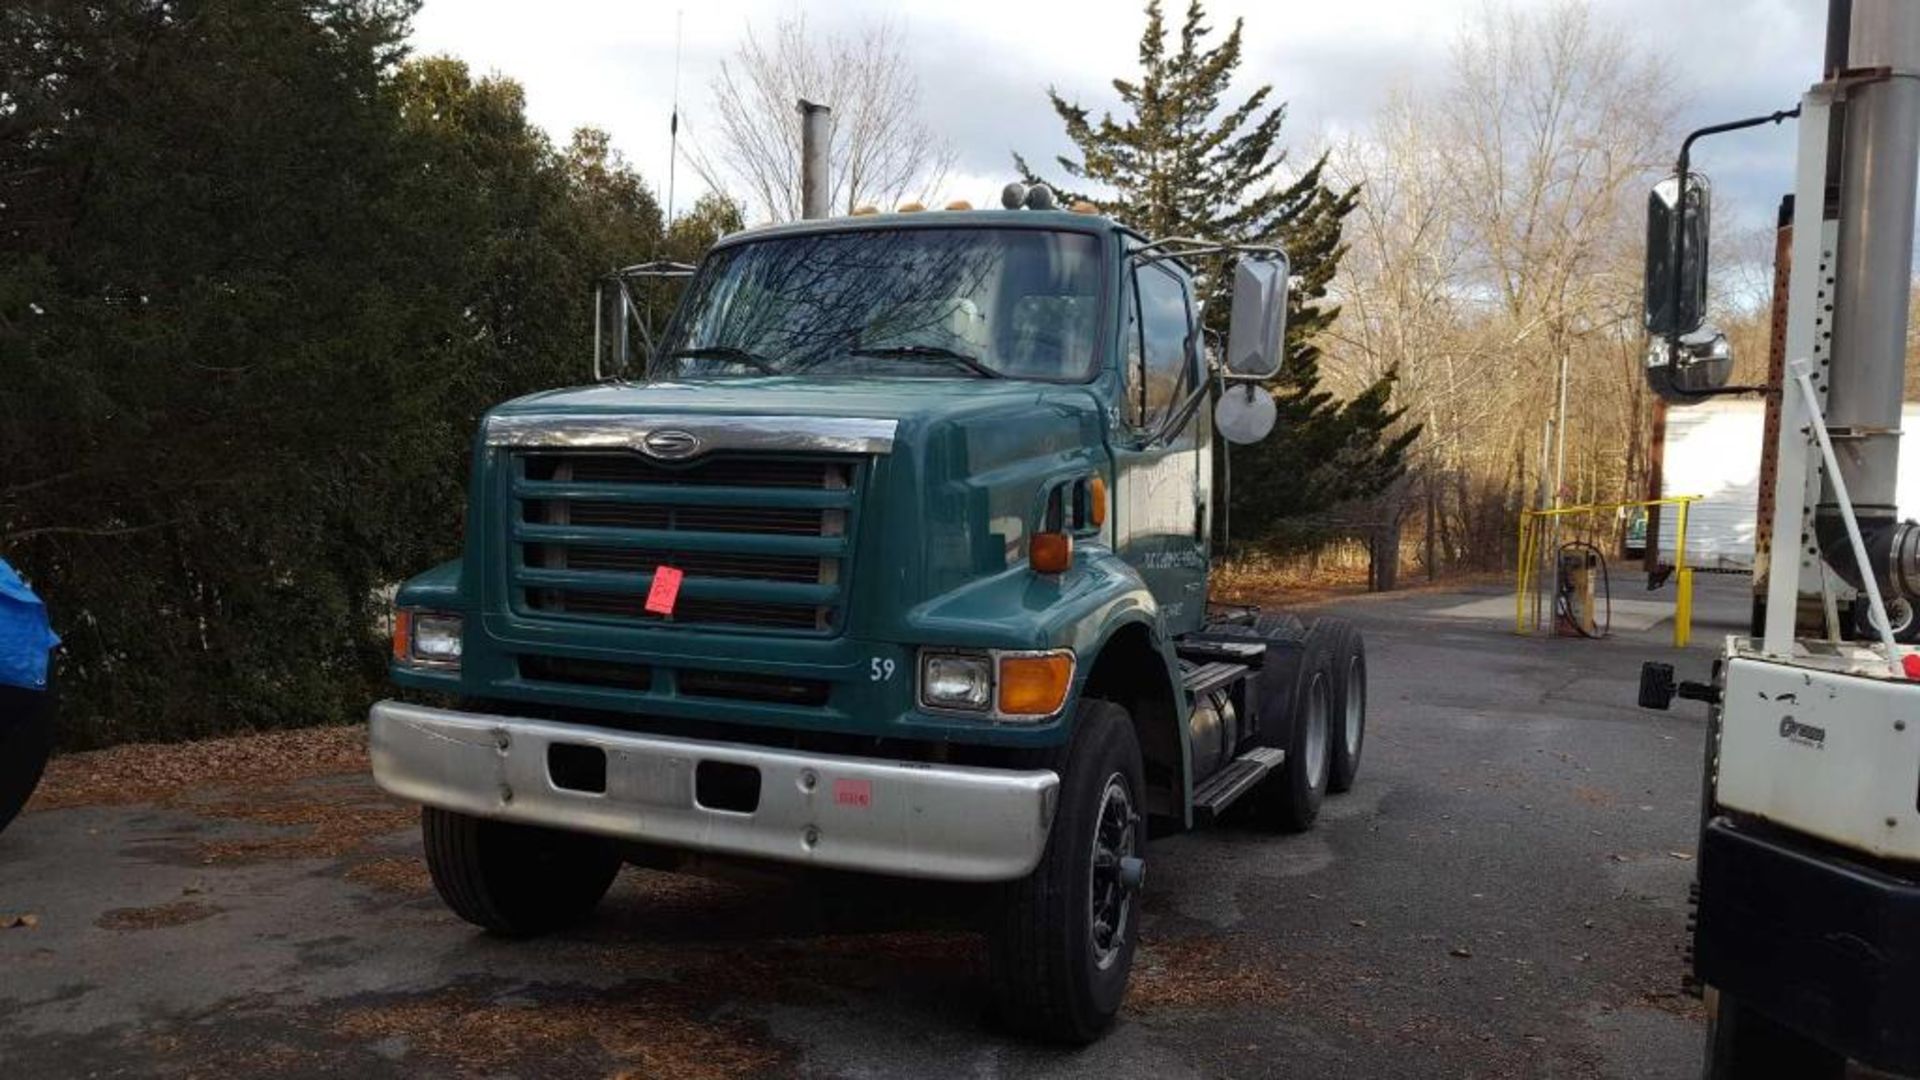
(1206, 678)
(1241, 775)
(1237, 651)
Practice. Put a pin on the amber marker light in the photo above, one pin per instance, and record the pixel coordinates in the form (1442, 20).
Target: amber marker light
(1034, 684)
(1097, 500)
(1050, 552)
(402, 634)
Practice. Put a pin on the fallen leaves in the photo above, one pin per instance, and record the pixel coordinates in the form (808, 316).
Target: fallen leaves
(150, 772)
(650, 1030)
(1200, 971)
(312, 824)
(178, 913)
(392, 874)
(24, 921)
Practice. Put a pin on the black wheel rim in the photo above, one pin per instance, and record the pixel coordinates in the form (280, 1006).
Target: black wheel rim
(1110, 900)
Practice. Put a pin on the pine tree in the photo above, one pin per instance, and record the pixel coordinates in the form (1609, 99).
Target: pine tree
(1182, 164)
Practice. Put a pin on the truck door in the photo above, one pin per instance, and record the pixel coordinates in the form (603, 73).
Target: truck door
(1160, 519)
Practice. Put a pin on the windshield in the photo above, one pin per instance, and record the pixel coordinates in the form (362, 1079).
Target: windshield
(956, 303)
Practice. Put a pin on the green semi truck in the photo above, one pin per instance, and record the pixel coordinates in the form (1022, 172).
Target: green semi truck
(889, 555)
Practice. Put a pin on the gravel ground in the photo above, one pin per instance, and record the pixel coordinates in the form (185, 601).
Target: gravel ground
(1501, 895)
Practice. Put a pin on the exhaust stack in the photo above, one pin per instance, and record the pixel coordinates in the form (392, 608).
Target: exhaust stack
(815, 124)
(1880, 163)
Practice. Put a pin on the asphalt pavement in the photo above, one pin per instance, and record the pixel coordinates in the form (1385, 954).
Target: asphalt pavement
(1503, 894)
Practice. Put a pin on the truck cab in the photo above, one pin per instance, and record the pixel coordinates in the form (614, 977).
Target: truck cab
(890, 555)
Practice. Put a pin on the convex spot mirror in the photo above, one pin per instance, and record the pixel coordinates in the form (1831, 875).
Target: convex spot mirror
(1244, 414)
(1676, 268)
(1257, 333)
(1702, 362)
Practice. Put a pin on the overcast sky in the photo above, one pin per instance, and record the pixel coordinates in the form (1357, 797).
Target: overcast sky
(985, 66)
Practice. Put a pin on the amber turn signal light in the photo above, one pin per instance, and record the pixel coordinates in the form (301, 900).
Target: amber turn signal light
(1035, 685)
(1050, 552)
(402, 634)
(1097, 500)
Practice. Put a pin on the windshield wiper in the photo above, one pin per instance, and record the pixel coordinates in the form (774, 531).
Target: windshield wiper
(727, 352)
(928, 352)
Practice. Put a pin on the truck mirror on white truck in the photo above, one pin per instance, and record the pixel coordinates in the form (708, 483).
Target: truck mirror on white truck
(1256, 337)
(1677, 307)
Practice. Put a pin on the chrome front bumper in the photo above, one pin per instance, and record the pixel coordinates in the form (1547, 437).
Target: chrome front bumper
(908, 819)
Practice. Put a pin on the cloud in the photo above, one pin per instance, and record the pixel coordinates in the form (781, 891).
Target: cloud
(985, 67)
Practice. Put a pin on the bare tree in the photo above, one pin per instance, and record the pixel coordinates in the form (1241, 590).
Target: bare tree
(880, 151)
(1498, 233)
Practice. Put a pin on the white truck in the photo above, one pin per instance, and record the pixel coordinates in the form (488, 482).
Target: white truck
(1807, 933)
(1712, 449)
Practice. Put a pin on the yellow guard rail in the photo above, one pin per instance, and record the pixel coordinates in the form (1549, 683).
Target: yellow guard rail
(1530, 545)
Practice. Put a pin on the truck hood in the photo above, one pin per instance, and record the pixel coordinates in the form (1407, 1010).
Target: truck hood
(880, 399)
(954, 501)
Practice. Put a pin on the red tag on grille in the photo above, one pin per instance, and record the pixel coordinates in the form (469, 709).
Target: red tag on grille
(665, 591)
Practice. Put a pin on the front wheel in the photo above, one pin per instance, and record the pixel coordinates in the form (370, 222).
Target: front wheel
(515, 880)
(1062, 940)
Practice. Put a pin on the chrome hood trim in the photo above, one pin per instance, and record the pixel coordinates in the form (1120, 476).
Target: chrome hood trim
(830, 434)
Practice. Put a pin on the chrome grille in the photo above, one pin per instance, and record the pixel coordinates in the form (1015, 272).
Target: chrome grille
(763, 541)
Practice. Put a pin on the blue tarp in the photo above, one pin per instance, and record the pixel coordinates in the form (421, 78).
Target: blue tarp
(25, 637)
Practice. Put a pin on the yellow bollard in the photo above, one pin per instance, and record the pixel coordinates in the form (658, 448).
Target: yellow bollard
(1683, 608)
(1683, 585)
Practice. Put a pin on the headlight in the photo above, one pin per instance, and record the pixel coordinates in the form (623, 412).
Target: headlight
(948, 681)
(1002, 685)
(426, 638)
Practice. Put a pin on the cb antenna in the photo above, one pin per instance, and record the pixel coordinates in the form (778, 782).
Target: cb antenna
(673, 124)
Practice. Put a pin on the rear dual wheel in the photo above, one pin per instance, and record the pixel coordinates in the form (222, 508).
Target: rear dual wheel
(1296, 714)
(1347, 655)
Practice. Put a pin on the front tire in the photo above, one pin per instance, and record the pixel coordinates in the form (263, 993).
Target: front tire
(1061, 944)
(515, 880)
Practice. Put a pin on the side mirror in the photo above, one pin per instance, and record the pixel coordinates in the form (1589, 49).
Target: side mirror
(1257, 333)
(1676, 268)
